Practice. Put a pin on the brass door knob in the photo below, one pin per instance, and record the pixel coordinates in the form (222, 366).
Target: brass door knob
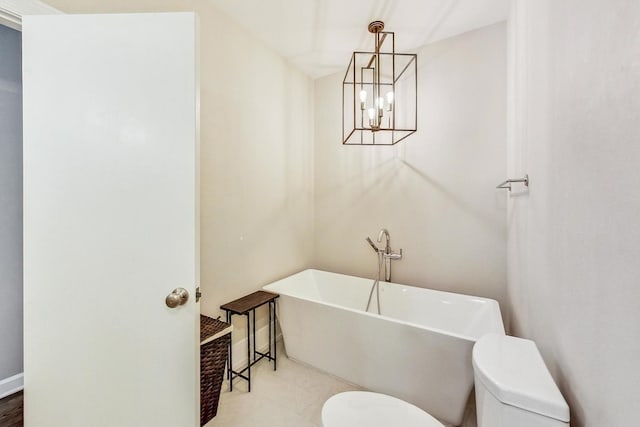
(177, 297)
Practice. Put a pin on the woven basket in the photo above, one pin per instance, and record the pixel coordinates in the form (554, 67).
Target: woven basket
(213, 358)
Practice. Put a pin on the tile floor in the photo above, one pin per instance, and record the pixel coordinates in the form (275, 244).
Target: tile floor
(291, 396)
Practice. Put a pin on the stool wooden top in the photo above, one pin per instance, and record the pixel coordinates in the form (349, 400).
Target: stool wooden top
(249, 302)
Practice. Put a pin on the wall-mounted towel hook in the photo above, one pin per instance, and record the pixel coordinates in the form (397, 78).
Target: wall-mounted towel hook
(507, 184)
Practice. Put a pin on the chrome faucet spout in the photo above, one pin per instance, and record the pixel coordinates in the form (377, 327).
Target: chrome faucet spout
(385, 233)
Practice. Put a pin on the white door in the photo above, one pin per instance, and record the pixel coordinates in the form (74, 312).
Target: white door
(110, 220)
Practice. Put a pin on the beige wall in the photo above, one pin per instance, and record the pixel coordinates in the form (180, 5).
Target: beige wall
(435, 191)
(574, 240)
(256, 154)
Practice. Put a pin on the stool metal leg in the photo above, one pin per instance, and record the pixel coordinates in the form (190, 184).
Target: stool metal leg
(228, 349)
(254, 334)
(269, 327)
(230, 358)
(275, 336)
(249, 351)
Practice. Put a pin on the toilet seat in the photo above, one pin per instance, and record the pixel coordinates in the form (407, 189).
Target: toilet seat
(366, 409)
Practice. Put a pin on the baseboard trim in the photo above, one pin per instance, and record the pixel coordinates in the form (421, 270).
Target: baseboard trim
(11, 385)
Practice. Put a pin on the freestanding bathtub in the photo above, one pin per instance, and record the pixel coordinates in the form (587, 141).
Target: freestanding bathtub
(418, 349)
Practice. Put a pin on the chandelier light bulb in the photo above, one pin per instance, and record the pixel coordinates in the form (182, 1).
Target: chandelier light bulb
(389, 101)
(363, 99)
(380, 105)
(372, 117)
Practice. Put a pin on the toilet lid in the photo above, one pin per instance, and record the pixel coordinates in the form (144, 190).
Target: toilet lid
(513, 371)
(366, 409)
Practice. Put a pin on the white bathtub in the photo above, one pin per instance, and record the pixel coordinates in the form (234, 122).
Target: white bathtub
(418, 350)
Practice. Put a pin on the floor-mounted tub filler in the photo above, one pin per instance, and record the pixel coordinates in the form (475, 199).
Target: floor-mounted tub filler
(418, 349)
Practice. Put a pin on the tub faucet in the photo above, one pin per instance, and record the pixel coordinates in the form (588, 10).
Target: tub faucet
(385, 233)
(387, 253)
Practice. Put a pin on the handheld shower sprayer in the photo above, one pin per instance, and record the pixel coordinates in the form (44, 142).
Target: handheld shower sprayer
(376, 283)
(373, 245)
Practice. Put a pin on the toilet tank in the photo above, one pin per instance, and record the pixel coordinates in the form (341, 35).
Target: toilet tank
(514, 386)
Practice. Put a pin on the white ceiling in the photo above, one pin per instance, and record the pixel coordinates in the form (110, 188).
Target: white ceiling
(318, 36)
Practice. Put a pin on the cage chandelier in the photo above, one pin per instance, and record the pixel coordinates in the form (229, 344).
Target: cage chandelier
(379, 93)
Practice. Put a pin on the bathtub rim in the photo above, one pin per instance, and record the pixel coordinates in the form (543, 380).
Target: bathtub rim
(382, 316)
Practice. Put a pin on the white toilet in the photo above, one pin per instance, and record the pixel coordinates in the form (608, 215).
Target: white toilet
(513, 389)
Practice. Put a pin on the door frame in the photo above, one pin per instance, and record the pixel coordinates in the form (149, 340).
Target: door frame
(12, 11)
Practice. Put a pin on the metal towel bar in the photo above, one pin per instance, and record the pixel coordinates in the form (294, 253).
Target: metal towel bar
(507, 184)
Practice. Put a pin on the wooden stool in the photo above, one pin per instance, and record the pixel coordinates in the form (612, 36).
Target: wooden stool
(246, 306)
